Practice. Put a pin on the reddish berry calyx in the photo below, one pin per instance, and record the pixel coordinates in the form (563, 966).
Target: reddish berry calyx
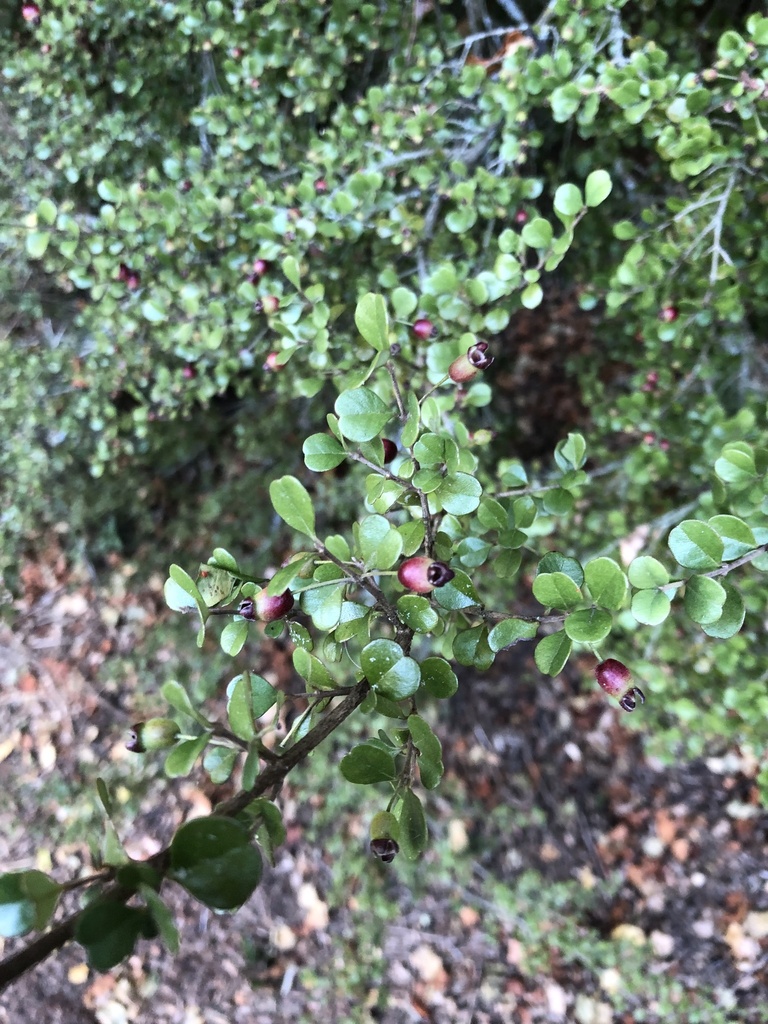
(155, 734)
(265, 607)
(260, 267)
(615, 678)
(131, 278)
(30, 12)
(423, 329)
(470, 364)
(390, 450)
(422, 574)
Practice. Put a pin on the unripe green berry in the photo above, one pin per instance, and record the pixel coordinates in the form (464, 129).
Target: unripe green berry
(154, 734)
(384, 828)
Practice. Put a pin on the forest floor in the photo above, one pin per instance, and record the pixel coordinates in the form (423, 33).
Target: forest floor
(569, 878)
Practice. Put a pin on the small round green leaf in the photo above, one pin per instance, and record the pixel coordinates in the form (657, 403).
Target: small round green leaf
(696, 545)
(732, 617)
(430, 751)
(380, 543)
(322, 452)
(181, 759)
(510, 632)
(362, 414)
(568, 200)
(417, 613)
(646, 573)
(457, 594)
(458, 494)
(704, 599)
(597, 187)
(556, 590)
(37, 243)
(650, 607)
(555, 561)
(607, 583)
(736, 465)
(439, 678)
(589, 626)
(552, 652)
(471, 648)
(737, 537)
(233, 637)
(537, 233)
(240, 709)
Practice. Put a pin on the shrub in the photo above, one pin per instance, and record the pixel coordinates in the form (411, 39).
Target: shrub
(245, 203)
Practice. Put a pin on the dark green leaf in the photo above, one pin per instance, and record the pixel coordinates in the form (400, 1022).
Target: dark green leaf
(413, 826)
(162, 917)
(439, 678)
(417, 613)
(109, 931)
(213, 859)
(367, 764)
(457, 594)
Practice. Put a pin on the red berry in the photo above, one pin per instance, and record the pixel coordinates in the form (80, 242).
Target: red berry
(423, 329)
(30, 12)
(521, 217)
(390, 450)
(668, 314)
(269, 304)
(271, 363)
(260, 267)
(321, 185)
(269, 608)
(616, 679)
(469, 365)
(189, 372)
(422, 574)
